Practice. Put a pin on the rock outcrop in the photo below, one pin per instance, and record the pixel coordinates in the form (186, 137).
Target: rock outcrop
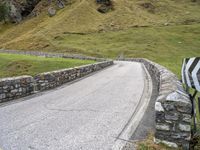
(28, 7)
(19, 9)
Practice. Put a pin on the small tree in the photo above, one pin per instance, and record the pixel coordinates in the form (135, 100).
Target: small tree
(3, 12)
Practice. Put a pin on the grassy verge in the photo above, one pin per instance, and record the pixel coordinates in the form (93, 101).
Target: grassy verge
(15, 65)
(148, 144)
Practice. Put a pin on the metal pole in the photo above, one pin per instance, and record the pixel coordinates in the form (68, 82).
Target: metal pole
(192, 98)
(187, 89)
(199, 104)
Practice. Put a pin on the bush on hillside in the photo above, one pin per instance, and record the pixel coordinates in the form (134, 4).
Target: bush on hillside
(3, 12)
(106, 6)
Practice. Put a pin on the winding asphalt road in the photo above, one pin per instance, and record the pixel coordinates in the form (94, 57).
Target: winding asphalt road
(100, 111)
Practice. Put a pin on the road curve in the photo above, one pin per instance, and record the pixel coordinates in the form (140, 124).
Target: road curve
(94, 113)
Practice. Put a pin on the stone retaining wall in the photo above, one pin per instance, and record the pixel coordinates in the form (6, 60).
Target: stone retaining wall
(54, 55)
(16, 87)
(53, 79)
(172, 107)
(12, 88)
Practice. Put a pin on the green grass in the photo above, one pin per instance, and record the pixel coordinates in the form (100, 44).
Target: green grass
(148, 144)
(113, 33)
(15, 65)
(5, 27)
(165, 45)
(83, 17)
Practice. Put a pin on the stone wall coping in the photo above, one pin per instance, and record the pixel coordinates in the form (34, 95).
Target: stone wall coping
(69, 69)
(51, 54)
(172, 81)
(15, 78)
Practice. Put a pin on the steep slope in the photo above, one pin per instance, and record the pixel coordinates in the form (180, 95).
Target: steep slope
(81, 16)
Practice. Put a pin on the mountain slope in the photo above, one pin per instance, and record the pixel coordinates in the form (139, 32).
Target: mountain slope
(81, 16)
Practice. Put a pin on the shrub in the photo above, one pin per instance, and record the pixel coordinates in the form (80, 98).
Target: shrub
(3, 12)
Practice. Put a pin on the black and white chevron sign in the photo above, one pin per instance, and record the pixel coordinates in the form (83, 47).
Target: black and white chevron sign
(191, 72)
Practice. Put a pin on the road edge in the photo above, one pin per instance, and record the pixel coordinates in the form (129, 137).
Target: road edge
(124, 139)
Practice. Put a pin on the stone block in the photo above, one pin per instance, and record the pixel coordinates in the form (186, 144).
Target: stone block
(20, 89)
(184, 127)
(5, 87)
(158, 107)
(170, 144)
(160, 116)
(184, 107)
(2, 96)
(169, 106)
(181, 135)
(186, 118)
(172, 116)
(164, 127)
(14, 91)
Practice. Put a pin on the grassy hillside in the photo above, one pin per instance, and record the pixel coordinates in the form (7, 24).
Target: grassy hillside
(82, 17)
(15, 65)
(164, 31)
(165, 45)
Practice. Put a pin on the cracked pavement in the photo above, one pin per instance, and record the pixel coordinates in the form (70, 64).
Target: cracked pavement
(88, 114)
